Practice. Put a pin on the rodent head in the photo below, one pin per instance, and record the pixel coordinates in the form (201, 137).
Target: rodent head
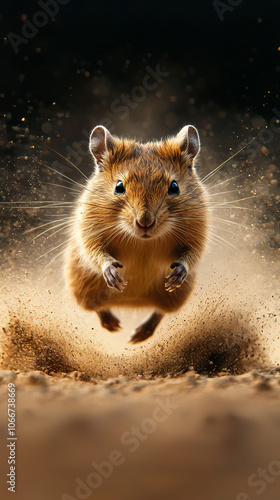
(148, 191)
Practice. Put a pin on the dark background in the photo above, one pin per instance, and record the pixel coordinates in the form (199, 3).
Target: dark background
(92, 52)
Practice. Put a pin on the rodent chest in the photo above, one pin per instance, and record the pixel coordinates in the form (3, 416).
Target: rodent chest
(146, 266)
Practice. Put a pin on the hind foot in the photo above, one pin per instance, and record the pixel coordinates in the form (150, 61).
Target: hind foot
(146, 329)
(108, 320)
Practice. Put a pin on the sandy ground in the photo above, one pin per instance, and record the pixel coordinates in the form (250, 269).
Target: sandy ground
(189, 437)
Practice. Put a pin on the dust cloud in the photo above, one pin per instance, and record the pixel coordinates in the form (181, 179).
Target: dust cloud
(228, 325)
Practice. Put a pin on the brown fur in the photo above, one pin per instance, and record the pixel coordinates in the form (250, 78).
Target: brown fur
(105, 227)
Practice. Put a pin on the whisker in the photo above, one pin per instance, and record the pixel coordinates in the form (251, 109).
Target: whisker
(53, 206)
(61, 156)
(64, 224)
(61, 253)
(78, 191)
(52, 249)
(61, 174)
(222, 241)
(223, 192)
(224, 221)
(223, 229)
(54, 258)
(224, 207)
(214, 185)
(33, 201)
(240, 199)
(226, 161)
(44, 225)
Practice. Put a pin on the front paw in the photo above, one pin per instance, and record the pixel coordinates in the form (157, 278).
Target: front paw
(177, 277)
(111, 276)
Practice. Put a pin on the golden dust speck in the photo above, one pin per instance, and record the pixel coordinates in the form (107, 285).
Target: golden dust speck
(38, 50)
(87, 74)
(278, 49)
(264, 151)
(23, 119)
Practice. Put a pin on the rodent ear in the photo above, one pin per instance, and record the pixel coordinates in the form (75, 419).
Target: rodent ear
(100, 142)
(188, 141)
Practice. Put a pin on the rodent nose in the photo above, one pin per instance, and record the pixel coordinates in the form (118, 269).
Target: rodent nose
(145, 224)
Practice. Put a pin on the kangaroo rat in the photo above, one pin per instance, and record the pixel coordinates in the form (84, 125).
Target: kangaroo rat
(142, 212)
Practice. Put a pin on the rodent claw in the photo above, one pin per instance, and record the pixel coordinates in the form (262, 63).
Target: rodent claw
(116, 263)
(176, 278)
(174, 273)
(117, 276)
(112, 277)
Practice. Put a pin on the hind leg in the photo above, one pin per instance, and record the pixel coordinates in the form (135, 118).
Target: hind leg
(147, 328)
(108, 320)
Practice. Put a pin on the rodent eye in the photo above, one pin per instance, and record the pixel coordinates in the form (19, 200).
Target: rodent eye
(173, 188)
(119, 189)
